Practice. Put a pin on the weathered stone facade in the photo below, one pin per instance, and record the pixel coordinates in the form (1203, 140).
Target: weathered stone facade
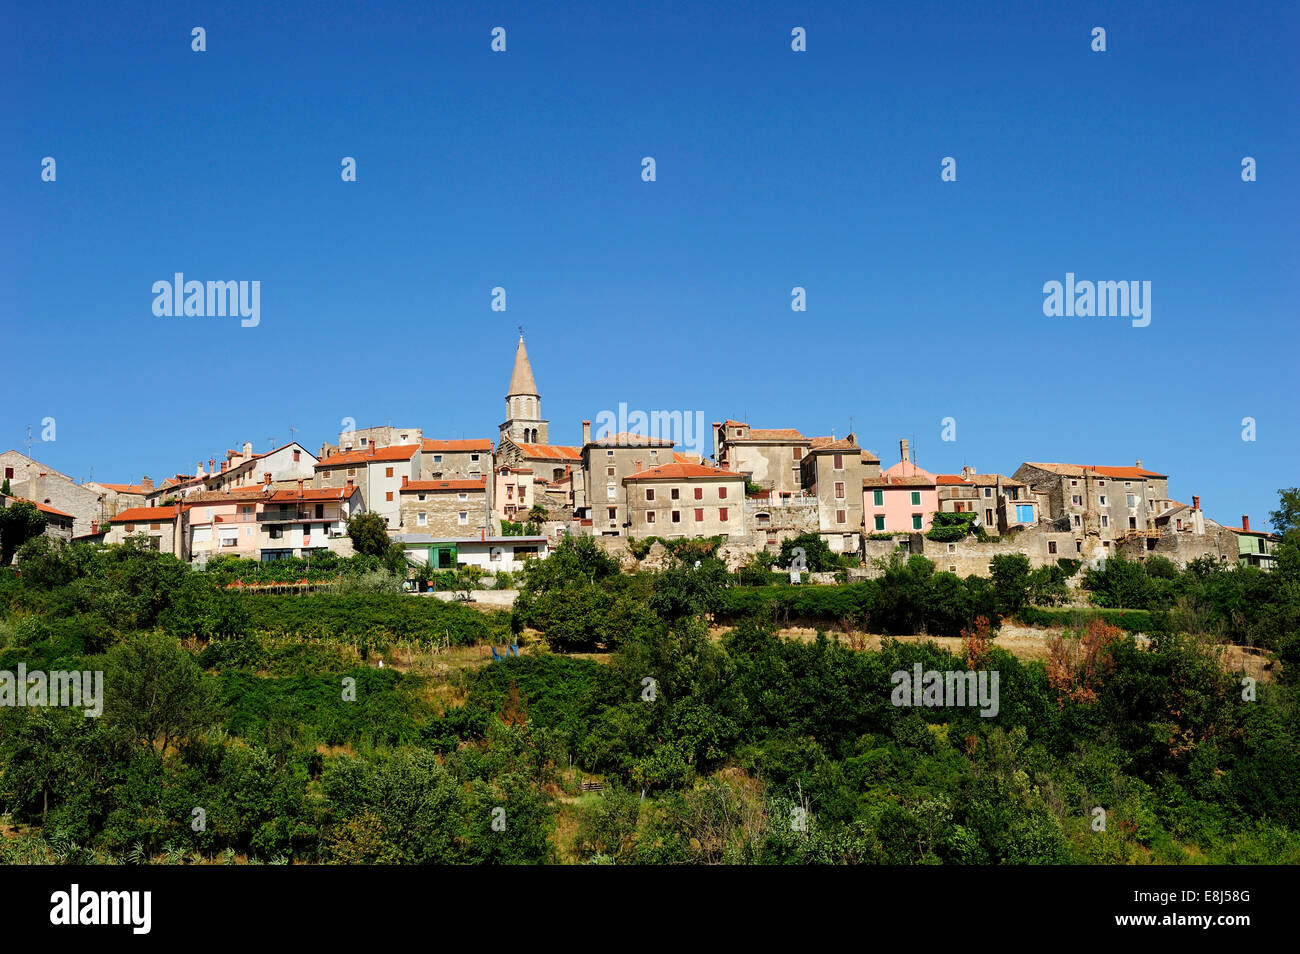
(445, 508)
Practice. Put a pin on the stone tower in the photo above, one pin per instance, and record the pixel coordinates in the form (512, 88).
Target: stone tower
(524, 423)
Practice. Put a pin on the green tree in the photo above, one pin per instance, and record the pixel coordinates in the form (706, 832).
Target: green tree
(369, 533)
(1287, 515)
(1010, 582)
(815, 552)
(19, 522)
(154, 691)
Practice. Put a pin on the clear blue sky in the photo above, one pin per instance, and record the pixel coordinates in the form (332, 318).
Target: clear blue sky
(775, 169)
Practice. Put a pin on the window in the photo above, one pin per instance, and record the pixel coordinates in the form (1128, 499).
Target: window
(1076, 501)
(609, 471)
(609, 453)
(677, 516)
(389, 496)
(839, 462)
(1051, 546)
(155, 526)
(9, 473)
(699, 493)
(437, 458)
(649, 516)
(1078, 546)
(320, 511)
(722, 493)
(297, 456)
(841, 516)
(916, 521)
(877, 498)
(613, 512)
(880, 523)
(699, 514)
(325, 472)
(722, 514)
(1101, 483)
(420, 497)
(609, 491)
(649, 493)
(916, 498)
(421, 519)
(388, 471)
(130, 527)
(1024, 513)
(473, 458)
(839, 489)
(363, 441)
(1131, 500)
(988, 517)
(952, 567)
(1077, 520)
(462, 497)
(462, 518)
(988, 491)
(1105, 520)
(798, 453)
(1101, 501)
(675, 493)
(352, 471)
(1074, 483)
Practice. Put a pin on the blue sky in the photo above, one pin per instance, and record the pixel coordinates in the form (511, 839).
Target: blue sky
(774, 169)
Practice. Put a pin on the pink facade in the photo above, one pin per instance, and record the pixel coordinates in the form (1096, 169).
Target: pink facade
(902, 500)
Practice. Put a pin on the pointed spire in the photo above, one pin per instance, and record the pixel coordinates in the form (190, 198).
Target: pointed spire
(521, 380)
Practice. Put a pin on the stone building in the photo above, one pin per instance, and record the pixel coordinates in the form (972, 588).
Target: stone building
(605, 462)
(772, 458)
(1256, 548)
(1105, 502)
(684, 500)
(156, 524)
(306, 520)
(371, 438)
(445, 508)
(118, 497)
(378, 473)
(1002, 504)
(43, 485)
(524, 422)
(455, 459)
(833, 473)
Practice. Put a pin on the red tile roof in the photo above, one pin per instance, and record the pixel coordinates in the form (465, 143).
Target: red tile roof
(682, 472)
(137, 489)
(145, 515)
(370, 456)
(948, 479)
(474, 444)
(550, 451)
(426, 485)
(1077, 470)
(46, 508)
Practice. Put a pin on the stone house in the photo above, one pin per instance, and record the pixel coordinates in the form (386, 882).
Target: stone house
(43, 485)
(306, 520)
(772, 458)
(378, 473)
(833, 473)
(455, 459)
(605, 462)
(684, 500)
(157, 524)
(445, 508)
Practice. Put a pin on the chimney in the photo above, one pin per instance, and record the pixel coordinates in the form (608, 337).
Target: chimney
(1245, 521)
(146, 482)
(348, 488)
(223, 465)
(903, 449)
(299, 486)
(198, 469)
(405, 480)
(1139, 463)
(94, 526)
(266, 477)
(212, 463)
(586, 433)
(638, 467)
(1196, 502)
(248, 449)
